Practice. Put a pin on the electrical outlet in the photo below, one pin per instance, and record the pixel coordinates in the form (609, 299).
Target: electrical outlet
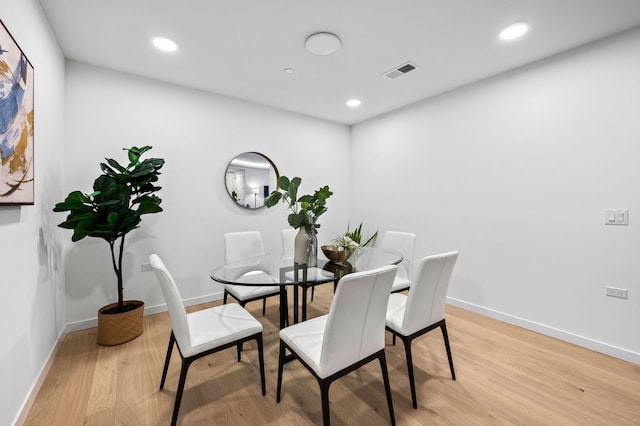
(617, 292)
(616, 217)
(146, 267)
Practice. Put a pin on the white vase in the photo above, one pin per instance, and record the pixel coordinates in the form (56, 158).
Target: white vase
(300, 246)
(305, 249)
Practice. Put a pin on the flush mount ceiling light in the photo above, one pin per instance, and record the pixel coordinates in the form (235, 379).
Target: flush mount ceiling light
(165, 44)
(514, 31)
(354, 103)
(322, 43)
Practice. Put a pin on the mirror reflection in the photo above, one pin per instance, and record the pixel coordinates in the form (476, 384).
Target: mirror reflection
(250, 178)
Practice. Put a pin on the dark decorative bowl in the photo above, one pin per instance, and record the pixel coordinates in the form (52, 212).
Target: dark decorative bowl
(336, 254)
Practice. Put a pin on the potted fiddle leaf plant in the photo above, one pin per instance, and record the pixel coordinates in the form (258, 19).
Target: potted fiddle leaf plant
(121, 195)
(305, 211)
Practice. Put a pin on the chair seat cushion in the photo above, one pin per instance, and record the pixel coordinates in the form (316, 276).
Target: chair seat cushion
(217, 326)
(395, 312)
(245, 292)
(305, 339)
(400, 284)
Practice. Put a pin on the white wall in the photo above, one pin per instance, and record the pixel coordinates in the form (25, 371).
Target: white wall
(197, 134)
(515, 172)
(32, 314)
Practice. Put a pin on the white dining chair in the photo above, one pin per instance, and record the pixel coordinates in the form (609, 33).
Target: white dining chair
(240, 246)
(288, 237)
(421, 310)
(203, 332)
(348, 337)
(404, 243)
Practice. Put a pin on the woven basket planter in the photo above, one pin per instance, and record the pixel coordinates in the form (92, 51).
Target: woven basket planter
(118, 328)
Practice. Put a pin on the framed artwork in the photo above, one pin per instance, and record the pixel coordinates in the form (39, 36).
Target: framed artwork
(16, 122)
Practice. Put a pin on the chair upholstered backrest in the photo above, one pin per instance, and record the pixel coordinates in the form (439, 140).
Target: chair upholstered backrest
(427, 296)
(404, 243)
(288, 242)
(242, 245)
(177, 313)
(356, 319)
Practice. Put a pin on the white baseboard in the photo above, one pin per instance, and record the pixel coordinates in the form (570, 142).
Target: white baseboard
(148, 310)
(35, 388)
(566, 336)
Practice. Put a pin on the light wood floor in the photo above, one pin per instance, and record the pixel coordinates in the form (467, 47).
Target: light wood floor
(505, 375)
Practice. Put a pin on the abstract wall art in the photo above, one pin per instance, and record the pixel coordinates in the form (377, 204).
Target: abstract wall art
(16, 123)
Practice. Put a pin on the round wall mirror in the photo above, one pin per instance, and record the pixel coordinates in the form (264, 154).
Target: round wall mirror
(250, 178)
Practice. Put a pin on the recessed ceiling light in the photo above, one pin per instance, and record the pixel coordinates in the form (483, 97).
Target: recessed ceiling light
(323, 43)
(289, 70)
(354, 103)
(514, 31)
(165, 44)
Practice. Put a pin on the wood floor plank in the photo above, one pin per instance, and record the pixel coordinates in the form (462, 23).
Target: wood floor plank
(505, 375)
(74, 364)
(102, 392)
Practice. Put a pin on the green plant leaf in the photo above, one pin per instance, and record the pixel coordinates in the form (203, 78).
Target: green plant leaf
(293, 188)
(112, 218)
(283, 183)
(114, 165)
(273, 199)
(82, 229)
(149, 204)
(372, 238)
(296, 220)
(74, 201)
(135, 153)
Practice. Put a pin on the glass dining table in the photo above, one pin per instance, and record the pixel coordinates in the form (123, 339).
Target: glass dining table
(283, 272)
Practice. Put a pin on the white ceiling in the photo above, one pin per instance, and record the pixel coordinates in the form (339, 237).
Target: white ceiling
(240, 48)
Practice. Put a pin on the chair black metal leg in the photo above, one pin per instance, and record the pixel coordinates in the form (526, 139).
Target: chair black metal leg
(261, 360)
(264, 306)
(183, 378)
(284, 308)
(313, 290)
(295, 304)
(445, 335)
(412, 381)
(280, 368)
(324, 396)
(224, 297)
(172, 339)
(240, 344)
(304, 302)
(393, 336)
(387, 386)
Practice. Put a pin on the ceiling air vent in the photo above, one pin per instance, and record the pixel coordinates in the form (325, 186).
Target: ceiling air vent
(401, 70)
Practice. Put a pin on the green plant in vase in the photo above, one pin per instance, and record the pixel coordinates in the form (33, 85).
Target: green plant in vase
(305, 211)
(352, 239)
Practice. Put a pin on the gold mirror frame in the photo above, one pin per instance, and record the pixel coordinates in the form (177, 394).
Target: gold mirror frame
(249, 179)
